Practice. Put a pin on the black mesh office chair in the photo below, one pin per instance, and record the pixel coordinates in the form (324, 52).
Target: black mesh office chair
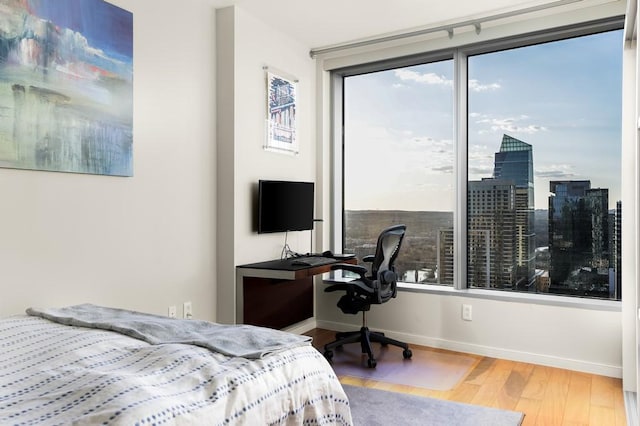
(364, 291)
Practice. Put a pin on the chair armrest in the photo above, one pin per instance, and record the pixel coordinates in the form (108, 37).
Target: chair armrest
(358, 269)
(369, 258)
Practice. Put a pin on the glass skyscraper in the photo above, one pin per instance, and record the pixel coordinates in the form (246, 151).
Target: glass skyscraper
(514, 162)
(580, 239)
(501, 237)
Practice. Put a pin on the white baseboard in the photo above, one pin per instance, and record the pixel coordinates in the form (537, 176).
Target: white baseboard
(501, 353)
(302, 326)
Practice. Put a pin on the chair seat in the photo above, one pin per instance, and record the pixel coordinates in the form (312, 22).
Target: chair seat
(350, 305)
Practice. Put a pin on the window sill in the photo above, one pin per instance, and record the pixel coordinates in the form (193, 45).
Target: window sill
(506, 296)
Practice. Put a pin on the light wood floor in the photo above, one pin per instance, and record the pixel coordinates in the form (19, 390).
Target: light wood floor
(547, 395)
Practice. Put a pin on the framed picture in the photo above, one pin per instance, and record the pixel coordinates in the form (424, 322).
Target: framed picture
(66, 87)
(281, 113)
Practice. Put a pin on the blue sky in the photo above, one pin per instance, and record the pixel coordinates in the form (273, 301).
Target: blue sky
(563, 98)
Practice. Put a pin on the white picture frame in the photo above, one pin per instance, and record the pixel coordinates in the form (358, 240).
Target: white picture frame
(281, 113)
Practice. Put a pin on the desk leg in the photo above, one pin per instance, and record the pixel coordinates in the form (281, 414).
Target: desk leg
(277, 303)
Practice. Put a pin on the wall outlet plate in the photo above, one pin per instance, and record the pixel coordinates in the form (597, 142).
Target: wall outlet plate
(172, 312)
(187, 310)
(467, 313)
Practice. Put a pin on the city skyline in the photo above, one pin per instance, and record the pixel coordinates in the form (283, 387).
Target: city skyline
(568, 107)
(582, 257)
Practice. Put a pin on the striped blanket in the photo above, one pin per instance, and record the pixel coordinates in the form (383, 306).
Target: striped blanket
(56, 374)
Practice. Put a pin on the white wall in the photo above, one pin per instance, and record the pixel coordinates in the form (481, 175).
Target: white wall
(565, 337)
(144, 242)
(629, 213)
(630, 252)
(247, 45)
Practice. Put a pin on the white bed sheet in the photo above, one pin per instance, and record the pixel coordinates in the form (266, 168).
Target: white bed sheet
(58, 374)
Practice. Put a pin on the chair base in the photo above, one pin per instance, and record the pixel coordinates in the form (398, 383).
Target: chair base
(365, 337)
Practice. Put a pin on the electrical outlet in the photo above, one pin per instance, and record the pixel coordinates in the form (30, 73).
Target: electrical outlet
(466, 312)
(187, 310)
(172, 312)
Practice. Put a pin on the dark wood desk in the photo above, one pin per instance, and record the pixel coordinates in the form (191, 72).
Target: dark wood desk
(275, 293)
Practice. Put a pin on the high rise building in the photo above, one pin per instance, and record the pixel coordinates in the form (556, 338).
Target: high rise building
(445, 256)
(617, 251)
(569, 228)
(514, 162)
(598, 199)
(580, 239)
(491, 237)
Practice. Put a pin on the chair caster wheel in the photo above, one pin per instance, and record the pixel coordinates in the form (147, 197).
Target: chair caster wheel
(372, 363)
(406, 354)
(328, 355)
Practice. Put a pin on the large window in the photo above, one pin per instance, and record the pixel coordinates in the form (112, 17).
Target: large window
(542, 141)
(398, 164)
(544, 167)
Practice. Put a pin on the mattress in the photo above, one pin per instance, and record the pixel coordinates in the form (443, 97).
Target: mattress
(52, 373)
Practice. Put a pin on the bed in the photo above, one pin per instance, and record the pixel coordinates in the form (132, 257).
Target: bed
(65, 370)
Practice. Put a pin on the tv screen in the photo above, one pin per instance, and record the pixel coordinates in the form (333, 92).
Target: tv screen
(284, 206)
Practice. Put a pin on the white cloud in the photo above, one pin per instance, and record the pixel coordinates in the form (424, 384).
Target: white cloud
(443, 169)
(426, 78)
(475, 86)
(509, 124)
(481, 159)
(556, 172)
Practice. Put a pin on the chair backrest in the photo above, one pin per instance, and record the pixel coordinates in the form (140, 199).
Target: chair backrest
(382, 267)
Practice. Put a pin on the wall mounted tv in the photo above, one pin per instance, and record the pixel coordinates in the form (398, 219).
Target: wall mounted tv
(285, 206)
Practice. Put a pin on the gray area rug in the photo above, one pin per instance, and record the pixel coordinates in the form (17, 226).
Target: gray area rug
(372, 407)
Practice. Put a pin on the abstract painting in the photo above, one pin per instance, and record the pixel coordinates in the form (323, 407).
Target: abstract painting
(66, 86)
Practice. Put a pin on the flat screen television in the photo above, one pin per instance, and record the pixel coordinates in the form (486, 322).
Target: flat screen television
(285, 206)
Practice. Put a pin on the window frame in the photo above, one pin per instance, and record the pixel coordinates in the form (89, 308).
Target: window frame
(460, 55)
